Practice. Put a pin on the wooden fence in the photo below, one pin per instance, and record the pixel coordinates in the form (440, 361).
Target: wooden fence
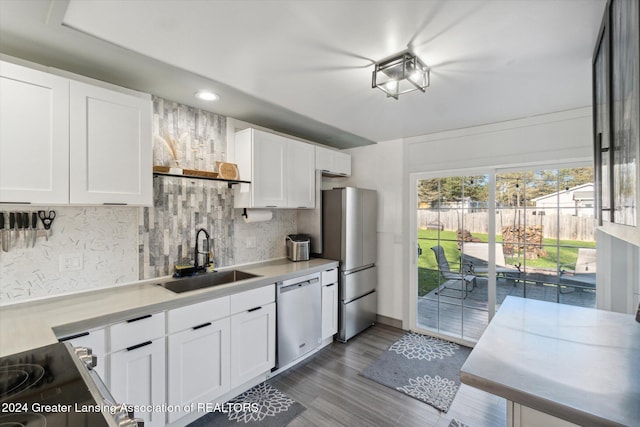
(568, 227)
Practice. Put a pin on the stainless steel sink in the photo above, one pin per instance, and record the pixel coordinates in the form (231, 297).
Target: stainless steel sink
(205, 280)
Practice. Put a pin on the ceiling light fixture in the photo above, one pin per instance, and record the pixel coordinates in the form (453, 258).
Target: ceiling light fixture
(399, 74)
(206, 95)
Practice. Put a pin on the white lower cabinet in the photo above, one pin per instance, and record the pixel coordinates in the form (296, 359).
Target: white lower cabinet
(137, 377)
(198, 364)
(198, 348)
(188, 355)
(137, 365)
(329, 310)
(329, 303)
(523, 416)
(253, 343)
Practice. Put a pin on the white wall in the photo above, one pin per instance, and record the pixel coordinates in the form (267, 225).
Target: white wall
(379, 167)
(561, 137)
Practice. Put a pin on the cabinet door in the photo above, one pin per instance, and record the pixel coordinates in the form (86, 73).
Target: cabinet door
(324, 159)
(110, 143)
(34, 136)
(301, 180)
(253, 343)
(342, 163)
(198, 364)
(333, 162)
(523, 416)
(269, 170)
(137, 377)
(329, 310)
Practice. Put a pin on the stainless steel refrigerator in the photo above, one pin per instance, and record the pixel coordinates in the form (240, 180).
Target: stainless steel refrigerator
(349, 222)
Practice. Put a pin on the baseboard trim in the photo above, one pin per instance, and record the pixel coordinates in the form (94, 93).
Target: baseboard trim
(389, 321)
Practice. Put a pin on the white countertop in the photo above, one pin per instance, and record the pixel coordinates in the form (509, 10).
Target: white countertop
(28, 325)
(575, 363)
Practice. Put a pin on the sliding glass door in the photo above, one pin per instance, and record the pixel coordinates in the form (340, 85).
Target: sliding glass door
(546, 228)
(483, 237)
(452, 213)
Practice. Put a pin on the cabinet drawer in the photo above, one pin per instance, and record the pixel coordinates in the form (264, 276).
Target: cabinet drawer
(197, 314)
(251, 299)
(95, 340)
(136, 330)
(329, 276)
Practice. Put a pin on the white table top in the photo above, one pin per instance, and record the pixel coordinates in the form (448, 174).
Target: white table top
(575, 363)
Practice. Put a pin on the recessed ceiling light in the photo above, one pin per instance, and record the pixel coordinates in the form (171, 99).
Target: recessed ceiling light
(206, 95)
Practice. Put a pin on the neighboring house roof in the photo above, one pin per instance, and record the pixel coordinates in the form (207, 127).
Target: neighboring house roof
(585, 192)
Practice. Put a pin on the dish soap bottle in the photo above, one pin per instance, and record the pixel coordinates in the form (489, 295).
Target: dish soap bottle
(212, 264)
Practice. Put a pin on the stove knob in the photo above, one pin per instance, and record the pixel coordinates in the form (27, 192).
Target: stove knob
(85, 355)
(124, 417)
(131, 422)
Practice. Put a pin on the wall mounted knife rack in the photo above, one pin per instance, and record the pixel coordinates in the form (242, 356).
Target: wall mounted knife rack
(17, 229)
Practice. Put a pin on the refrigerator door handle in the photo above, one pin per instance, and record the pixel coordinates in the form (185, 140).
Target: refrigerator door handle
(356, 270)
(357, 298)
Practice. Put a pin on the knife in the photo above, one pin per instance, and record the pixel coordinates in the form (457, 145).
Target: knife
(3, 234)
(17, 224)
(34, 228)
(12, 225)
(25, 226)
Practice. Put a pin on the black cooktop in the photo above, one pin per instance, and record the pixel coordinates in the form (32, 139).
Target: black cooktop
(44, 387)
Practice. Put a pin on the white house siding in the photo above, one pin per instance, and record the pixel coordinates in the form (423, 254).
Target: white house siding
(576, 201)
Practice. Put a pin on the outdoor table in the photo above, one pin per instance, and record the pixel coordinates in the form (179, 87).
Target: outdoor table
(582, 281)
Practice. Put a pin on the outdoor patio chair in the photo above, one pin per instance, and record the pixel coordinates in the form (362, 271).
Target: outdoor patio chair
(583, 274)
(452, 277)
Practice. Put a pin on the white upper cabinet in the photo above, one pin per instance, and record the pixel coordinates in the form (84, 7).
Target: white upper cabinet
(110, 147)
(333, 162)
(302, 176)
(280, 170)
(67, 142)
(34, 136)
(269, 171)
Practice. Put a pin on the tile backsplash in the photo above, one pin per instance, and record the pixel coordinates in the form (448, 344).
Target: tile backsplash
(181, 207)
(195, 139)
(123, 244)
(104, 238)
(263, 240)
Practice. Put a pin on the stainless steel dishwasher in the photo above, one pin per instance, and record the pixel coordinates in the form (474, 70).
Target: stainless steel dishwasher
(299, 318)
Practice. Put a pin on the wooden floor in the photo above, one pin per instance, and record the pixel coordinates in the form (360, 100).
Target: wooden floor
(328, 384)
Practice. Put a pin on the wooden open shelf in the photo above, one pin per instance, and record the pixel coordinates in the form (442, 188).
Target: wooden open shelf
(230, 182)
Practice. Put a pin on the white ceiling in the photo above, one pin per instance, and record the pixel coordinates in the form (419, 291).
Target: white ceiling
(304, 67)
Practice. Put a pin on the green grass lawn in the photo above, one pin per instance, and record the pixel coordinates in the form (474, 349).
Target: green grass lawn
(565, 254)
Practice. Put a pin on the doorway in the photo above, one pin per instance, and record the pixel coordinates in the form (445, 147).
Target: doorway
(481, 237)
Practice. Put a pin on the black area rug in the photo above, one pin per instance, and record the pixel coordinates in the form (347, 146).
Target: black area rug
(263, 405)
(425, 368)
